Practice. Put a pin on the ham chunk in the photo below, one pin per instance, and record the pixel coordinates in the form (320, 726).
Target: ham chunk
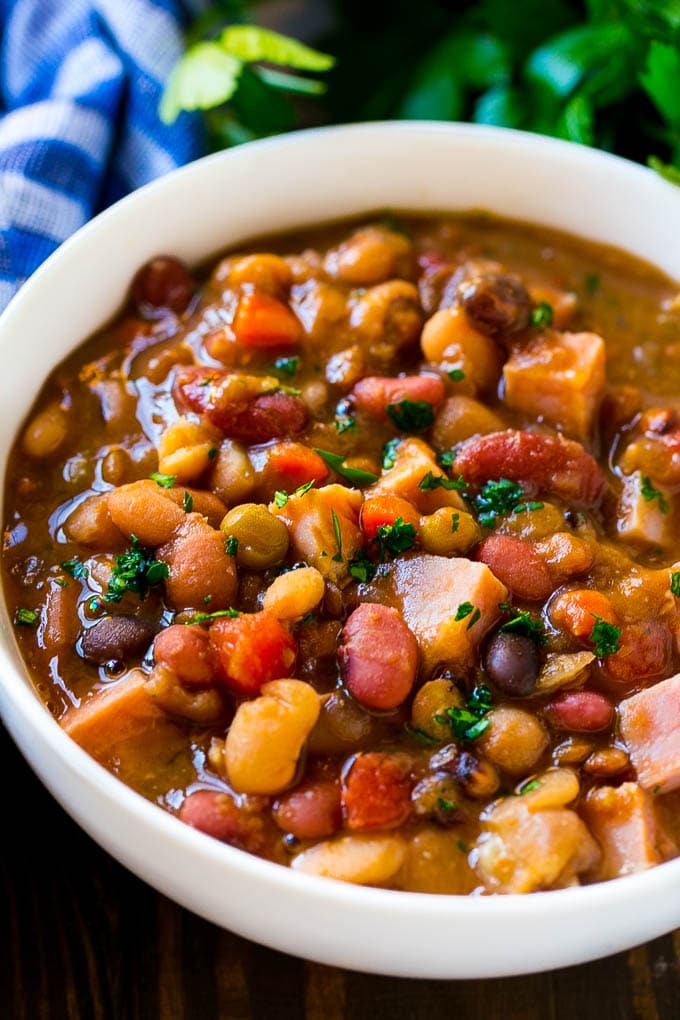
(623, 822)
(644, 520)
(650, 727)
(310, 523)
(413, 462)
(429, 589)
(560, 378)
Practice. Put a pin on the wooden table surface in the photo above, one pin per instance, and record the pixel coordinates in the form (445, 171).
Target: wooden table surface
(82, 939)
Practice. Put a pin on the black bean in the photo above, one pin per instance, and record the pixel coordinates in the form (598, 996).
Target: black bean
(512, 662)
(116, 639)
(497, 303)
(163, 284)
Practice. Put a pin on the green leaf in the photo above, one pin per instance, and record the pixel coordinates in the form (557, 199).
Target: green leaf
(262, 110)
(291, 82)
(205, 77)
(250, 42)
(661, 80)
(501, 105)
(666, 170)
(576, 122)
(354, 475)
(591, 56)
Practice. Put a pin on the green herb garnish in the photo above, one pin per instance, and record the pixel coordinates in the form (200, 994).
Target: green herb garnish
(361, 567)
(675, 583)
(455, 521)
(446, 458)
(542, 314)
(165, 481)
(411, 415)
(649, 493)
(605, 637)
(420, 735)
(207, 617)
(26, 617)
(429, 482)
(231, 545)
(522, 622)
(281, 497)
(532, 784)
(75, 568)
(344, 422)
(354, 475)
(470, 722)
(389, 457)
(446, 805)
(338, 536)
(188, 502)
(456, 374)
(497, 499)
(212, 453)
(396, 538)
(287, 366)
(135, 571)
(464, 610)
(592, 282)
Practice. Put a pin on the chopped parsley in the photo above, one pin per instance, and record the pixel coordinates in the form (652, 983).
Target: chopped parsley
(165, 481)
(522, 622)
(188, 502)
(135, 571)
(389, 458)
(75, 568)
(457, 374)
(281, 497)
(411, 415)
(532, 784)
(605, 637)
(429, 482)
(446, 458)
(648, 493)
(675, 582)
(499, 498)
(446, 805)
(361, 567)
(396, 538)
(421, 735)
(286, 366)
(466, 609)
(470, 722)
(354, 475)
(462, 846)
(207, 617)
(212, 453)
(292, 391)
(338, 536)
(26, 617)
(592, 282)
(455, 521)
(542, 314)
(344, 422)
(231, 545)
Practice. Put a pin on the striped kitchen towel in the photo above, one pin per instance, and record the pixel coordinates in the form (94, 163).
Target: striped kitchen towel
(81, 81)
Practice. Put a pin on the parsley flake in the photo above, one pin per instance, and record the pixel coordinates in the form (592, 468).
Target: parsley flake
(396, 538)
(470, 722)
(542, 314)
(464, 610)
(354, 475)
(675, 583)
(344, 422)
(165, 481)
(605, 637)
(389, 457)
(411, 415)
(361, 567)
(429, 482)
(135, 571)
(532, 784)
(497, 499)
(26, 617)
(231, 545)
(446, 458)
(446, 805)
(338, 536)
(188, 502)
(456, 374)
(649, 493)
(521, 622)
(75, 568)
(455, 521)
(287, 366)
(420, 735)
(207, 617)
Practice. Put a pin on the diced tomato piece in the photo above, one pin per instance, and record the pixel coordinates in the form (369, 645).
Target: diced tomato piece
(548, 464)
(375, 393)
(262, 321)
(642, 657)
(576, 612)
(376, 791)
(290, 465)
(218, 815)
(517, 564)
(252, 649)
(378, 511)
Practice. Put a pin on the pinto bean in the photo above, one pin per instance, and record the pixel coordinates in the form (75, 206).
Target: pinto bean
(517, 565)
(580, 711)
(205, 706)
(218, 815)
(199, 566)
(498, 304)
(310, 811)
(143, 509)
(47, 432)
(549, 464)
(378, 656)
(376, 791)
(374, 394)
(117, 638)
(163, 283)
(187, 651)
(91, 524)
(513, 663)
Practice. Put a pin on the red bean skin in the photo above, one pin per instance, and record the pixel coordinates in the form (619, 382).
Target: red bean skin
(549, 464)
(312, 811)
(269, 416)
(375, 393)
(187, 652)
(378, 657)
(376, 791)
(580, 712)
(218, 815)
(517, 564)
(163, 284)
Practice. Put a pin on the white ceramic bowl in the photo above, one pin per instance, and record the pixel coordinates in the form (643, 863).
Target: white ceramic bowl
(295, 181)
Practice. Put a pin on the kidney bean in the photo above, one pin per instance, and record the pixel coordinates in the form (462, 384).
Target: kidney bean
(255, 420)
(643, 655)
(497, 303)
(550, 464)
(218, 815)
(513, 663)
(116, 638)
(580, 711)
(162, 284)
(311, 811)
(376, 791)
(187, 651)
(378, 656)
(517, 564)
(375, 393)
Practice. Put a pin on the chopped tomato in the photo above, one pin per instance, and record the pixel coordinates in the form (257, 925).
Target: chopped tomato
(376, 791)
(262, 321)
(252, 649)
(578, 611)
(290, 465)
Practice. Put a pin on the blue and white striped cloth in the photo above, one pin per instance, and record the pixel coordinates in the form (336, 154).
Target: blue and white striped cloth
(81, 81)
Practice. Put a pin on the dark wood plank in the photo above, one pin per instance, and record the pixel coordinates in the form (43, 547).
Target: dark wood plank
(82, 939)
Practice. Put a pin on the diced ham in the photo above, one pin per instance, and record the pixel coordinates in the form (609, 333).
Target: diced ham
(623, 821)
(429, 590)
(558, 377)
(310, 522)
(641, 519)
(414, 461)
(650, 728)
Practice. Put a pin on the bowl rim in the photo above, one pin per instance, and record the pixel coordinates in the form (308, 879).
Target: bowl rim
(20, 700)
